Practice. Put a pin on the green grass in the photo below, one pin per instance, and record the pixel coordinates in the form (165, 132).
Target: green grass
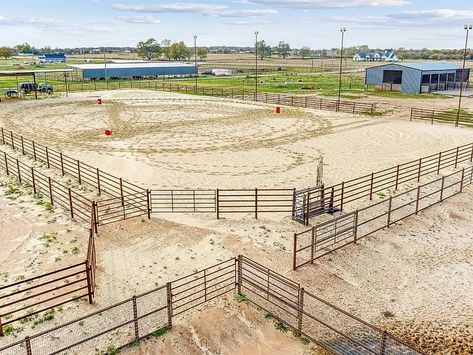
(160, 332)
(450, 115)
(401, 95)
(241, 298)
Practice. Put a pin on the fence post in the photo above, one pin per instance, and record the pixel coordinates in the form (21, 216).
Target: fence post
(341, 197)
(70, 203)
(148, 201)
(383, 343)
(22, 146)
(121, 192)
(420, 168)
(169, 303)
(441, 189)
(307, 212)
(78, 172)
(34, 151)
(389, 210)
(371, 186)
(47, 157)
(240, 274)
(312, 249)
(62, 164)
(463, 178)
(135, 318)
(12, 141)
(471, 156)
(256, 203)
(1, 327)
(6, 163)
(89, 281)
(294, 246)
(98, 180)
(355, 228)
(217, 207)
(50, 190)
(33, 180)
(417, 200)
(456, 157)
(18, 169)
(3, 137)
(397, 178)
(28, 346)
(95, 211)
(300, 311)
(440, 161)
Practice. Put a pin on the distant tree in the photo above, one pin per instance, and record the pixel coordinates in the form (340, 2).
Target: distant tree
(283, 49)
(166, 48)
(202, 52)
(305, 52)
(24, 48)
(263, 49)
(46, 49)
(6, 52)
(179, 51)
(149, 49)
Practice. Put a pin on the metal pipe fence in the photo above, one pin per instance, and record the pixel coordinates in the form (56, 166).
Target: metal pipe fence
(314, 201)
(325, 238)
(446, 116)
(136, 318)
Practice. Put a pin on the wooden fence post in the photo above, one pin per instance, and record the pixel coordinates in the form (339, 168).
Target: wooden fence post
(389, 210)
(34, 151)
(417, 199)
(371, 186)
(50, 190)
(33, 182)
(18, 169)
(121, 192)
(70, 203)
(341, 197)
(169, 303)
(148, 201)
(383, 343)
(135, 318)
(256, 203)
(89, 282)
(463, 178)
(441, 189)
(397, 178)
(78, 172)
(439, 162)
(3, 138)
(240, 274)
(312, 249)
(217, 203)
(62, 164)
(456, 157)
(28, 346)
(1, 326)
(355, 227)
(294, 256)
(420, 168)
(6, 163)
(47, 157)
(22, 146)
(12, 141)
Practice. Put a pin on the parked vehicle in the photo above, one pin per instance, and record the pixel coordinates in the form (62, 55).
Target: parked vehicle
(43, 87)
(28, 87)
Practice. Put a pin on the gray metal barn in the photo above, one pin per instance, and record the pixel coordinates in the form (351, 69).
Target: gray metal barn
(134, 70)
(415, 78)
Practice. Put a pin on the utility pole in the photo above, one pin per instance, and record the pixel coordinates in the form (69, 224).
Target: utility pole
(195, 62)
(342, 30)
(105, 66)
(467, 28)
(256, 65)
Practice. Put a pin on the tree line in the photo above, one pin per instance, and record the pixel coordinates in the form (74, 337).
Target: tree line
(153, 50)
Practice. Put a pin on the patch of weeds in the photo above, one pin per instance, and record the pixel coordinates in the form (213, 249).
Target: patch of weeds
(48, 238)
(75, 250)
(281, 327)
(279, 245)
(47, 316)
(135, 343)
(160, 332)
(268, 315)
(20, 277)
(111, 350)
(372, 114)
(381, 194)
(388, 314)
(48, 206)
(4, 276)
(29, 317)
(241, 297)
(57, 258)
(305, 341)
(81, 323)
(10, 330)
(65, 251)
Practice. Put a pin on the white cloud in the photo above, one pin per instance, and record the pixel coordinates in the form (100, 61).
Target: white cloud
(140, 19)
(330, 3)
(438, 14)
(203, 9)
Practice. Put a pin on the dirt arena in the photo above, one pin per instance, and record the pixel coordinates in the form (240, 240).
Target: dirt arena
(400, 279)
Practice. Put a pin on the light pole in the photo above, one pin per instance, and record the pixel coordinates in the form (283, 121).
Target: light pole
(467, 28)
(105, 66)
(342, 30)
(256, 65)
(195, 62)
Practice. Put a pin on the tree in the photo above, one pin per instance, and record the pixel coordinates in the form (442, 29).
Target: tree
(305, 52)
(263, 49)
(202, 52)
(283, 49)
(6, 52)
(165, 46)
(149, 49)
(179, 51)
(24, 48)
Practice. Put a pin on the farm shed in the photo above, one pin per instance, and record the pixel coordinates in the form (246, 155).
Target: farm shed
(134, 70)
(415, 78)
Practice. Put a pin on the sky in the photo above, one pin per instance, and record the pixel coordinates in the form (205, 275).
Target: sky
(313, 23)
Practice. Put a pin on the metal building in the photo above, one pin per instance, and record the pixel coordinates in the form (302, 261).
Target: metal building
(415, 78)
(134, 70)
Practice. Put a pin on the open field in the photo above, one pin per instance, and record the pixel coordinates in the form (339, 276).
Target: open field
(396, 279)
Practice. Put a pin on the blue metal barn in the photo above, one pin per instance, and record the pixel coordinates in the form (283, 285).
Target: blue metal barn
(134, 70)
(415, 78)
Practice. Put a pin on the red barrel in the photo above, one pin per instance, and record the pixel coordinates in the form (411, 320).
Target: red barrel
(278, 109)
(108, 132)
(99, 101)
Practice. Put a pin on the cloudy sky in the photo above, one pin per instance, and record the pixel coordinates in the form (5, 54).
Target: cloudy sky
(316, 23)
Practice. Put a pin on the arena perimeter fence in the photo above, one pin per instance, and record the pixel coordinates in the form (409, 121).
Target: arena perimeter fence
(314, 201)
(449, 116)
(25, 299)
(241, 94)
(153, 312)
(325, 238)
